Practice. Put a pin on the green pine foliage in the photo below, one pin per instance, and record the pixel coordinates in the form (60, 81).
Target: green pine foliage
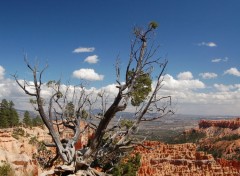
(37, 121)
(27, 120)
(18, 132)
(191, 137)
(69, 110)
(84, 114)
(128, 167)
(126, 123)
(216, 153)
(153, 24)
(5, 169)
(8, 115)
(228, 138)
(142, 87)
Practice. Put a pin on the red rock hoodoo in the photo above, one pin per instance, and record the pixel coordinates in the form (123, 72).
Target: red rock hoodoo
(181, 159)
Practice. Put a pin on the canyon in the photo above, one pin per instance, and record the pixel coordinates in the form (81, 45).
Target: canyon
(230, 124)
(157, 158)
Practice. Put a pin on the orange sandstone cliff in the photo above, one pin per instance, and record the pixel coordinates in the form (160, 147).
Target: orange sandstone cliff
(179, 159)
(231, 124)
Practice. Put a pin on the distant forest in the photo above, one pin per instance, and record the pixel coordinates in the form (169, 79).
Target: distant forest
(9, 117)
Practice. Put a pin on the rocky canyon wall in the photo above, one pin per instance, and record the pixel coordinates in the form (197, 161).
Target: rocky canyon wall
(160, 159)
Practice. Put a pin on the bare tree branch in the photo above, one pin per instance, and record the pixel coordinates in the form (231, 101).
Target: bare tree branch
(74, 110)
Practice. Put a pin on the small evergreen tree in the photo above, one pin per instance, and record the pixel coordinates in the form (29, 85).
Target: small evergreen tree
(69, 109)
(8, 115)
(127, 167)
(3, 122)
(27, 120)
(13, 115)
(37, 121)
(4, 114)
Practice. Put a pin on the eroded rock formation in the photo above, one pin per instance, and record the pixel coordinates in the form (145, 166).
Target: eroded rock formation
(179, 159)
(232, 124)
(18, 153)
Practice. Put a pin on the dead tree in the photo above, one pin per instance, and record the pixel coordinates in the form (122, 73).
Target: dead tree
(68, 106)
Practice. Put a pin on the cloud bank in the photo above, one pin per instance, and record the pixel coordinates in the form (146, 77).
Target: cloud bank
(189, 95)
(226, 88)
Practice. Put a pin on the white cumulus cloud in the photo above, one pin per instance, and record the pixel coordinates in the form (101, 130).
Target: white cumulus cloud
(232, 71)
(185, 75)
(2, 71)
(181, 84)
(209, 44)
(83, 50)
(92, 59)
(216, 60)
(208, 75)
(87, 74)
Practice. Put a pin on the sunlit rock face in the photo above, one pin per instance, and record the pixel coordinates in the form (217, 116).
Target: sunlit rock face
(18, 153)
(180, 159)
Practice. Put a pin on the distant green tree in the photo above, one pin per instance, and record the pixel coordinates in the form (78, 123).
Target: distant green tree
(37, 121)
(84, 114)
(4, 114)
(8, 115)
(3, 122)
(191, 137)
(69, 109)
(129, 167)
(27, 119)
(13, 115)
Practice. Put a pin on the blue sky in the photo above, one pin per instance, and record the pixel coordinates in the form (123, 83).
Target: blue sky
(199, 38)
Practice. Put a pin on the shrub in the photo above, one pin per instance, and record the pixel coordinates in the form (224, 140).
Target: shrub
(5, 169)
(216, 153)
(128, 167)
(126, 123)
(33, 140)
(229, 138)
(192, 137)
(18, 132)
(43, 155)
